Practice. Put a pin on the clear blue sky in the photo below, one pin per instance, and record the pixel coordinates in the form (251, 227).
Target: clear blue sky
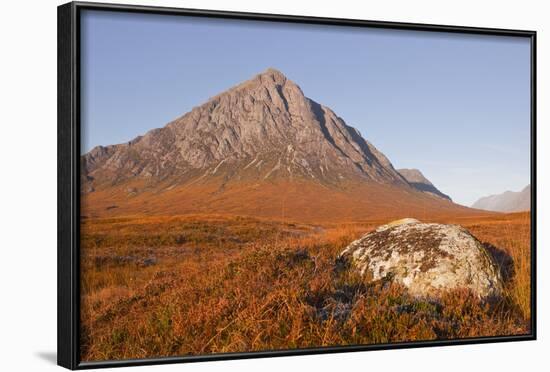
(457, 107)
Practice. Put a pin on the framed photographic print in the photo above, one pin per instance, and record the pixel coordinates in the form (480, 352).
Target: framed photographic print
(237, 185)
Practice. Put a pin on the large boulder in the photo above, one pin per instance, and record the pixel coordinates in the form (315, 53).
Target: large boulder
(426, 258)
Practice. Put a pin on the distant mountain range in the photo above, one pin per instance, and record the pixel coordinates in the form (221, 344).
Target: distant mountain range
(508, 201)
(261, 148)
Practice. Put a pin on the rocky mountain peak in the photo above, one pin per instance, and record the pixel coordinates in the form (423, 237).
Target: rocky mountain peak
(417, 180)
(262, 129)
(272, 75)
(270, 80)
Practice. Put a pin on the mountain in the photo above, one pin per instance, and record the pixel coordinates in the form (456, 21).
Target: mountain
(266, 122)
(260, 148)
(416, 179)
(508, 201)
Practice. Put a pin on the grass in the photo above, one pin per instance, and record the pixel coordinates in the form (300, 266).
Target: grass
(512, 235)
(188, 285)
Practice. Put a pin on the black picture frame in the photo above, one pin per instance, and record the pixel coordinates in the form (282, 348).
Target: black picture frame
(69, 181)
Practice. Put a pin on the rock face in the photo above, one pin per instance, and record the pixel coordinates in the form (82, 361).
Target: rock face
(426, 258)
(508, 201)
(263, 128)
(417, 180)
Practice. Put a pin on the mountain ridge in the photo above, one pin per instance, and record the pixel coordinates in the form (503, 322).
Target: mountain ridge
(190, 142)
(262, 131)
(415, 178)
(508, 201)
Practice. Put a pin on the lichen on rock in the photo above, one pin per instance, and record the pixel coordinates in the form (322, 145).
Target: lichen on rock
(426, 258)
